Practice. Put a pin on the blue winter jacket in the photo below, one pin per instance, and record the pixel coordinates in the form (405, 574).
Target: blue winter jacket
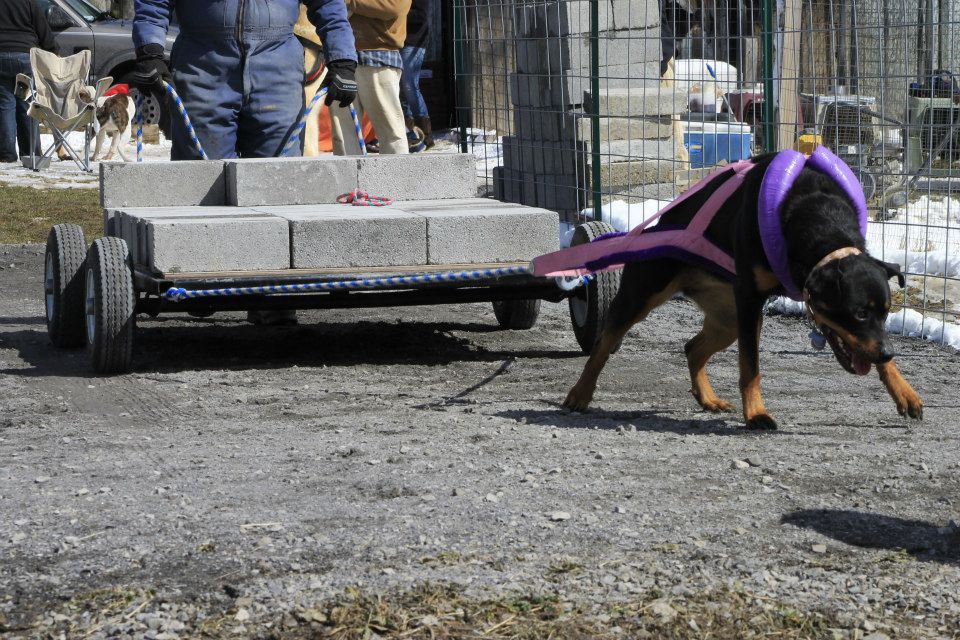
(261, 19)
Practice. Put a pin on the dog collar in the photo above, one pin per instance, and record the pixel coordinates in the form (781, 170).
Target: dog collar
(777, 182)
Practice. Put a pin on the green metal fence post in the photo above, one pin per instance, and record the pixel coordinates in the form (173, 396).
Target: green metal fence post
(462, 109)
(595, 107)
(769, 11)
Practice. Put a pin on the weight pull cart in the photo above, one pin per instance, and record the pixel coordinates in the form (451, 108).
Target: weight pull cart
(93, 296)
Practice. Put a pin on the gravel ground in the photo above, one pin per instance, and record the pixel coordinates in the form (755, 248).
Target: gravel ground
(245, 475)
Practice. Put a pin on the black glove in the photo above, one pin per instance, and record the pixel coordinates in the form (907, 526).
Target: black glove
(340, 82)
(150, 71)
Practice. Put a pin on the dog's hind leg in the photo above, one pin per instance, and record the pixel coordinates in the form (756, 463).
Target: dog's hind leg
(99, 146)
(713, 337)
(643, 287)
(715, 297)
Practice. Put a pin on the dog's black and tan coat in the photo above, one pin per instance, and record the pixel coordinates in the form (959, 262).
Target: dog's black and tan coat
(847, 292)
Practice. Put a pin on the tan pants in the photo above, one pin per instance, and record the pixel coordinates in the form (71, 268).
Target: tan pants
(378, 95)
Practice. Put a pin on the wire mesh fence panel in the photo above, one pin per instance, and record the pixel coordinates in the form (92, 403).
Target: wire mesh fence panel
(609, 109)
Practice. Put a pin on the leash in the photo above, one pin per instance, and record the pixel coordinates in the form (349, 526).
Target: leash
(196, 141)
(183, 114)
(359, 198)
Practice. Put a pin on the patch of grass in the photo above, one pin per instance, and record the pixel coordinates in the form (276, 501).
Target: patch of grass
(442, 611)
(27, 214)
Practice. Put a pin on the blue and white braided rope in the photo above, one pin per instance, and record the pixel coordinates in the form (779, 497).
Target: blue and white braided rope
(186, 119)
(295, 138)
(356, 124)
(176, 294)
(139, 127)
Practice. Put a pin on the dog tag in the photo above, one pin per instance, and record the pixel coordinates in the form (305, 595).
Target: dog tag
(817, 340)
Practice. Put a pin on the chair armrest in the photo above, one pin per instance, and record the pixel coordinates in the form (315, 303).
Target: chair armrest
(102, 85)
(24, 86)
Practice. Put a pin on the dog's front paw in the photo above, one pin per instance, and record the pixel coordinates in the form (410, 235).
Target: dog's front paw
(908, 402)
(714, 404)
(761, 421)
(578, 399)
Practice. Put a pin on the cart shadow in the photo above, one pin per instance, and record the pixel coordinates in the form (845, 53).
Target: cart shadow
(203, 345)
(643, 420)
(921, 540)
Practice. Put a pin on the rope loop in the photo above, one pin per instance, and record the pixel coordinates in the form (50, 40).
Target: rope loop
(359, 198)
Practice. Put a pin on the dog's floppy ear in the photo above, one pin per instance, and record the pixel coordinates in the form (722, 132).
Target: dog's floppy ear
(824, 282)
(893, 270)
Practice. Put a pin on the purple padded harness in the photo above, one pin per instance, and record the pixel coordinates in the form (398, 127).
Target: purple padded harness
(690, 244)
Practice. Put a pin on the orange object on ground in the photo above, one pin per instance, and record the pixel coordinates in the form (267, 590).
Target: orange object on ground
(326, 136)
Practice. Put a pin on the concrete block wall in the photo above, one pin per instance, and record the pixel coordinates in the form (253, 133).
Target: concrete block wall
(546, 160)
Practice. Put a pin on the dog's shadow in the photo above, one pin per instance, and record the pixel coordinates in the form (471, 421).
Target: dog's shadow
(922, 540)
(642, 420)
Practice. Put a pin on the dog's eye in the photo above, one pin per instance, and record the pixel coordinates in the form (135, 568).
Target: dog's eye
(861, 315)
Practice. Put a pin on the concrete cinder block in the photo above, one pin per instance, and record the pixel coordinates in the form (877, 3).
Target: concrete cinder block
(567, 17)
(203, 244)
(562, 192)
(540, 91)
(289, 181)
(161, 184)
(538, 124)
(419, 176)
(327, 236)
(543, 54)
(130, 223)
(425, 206)
(504, 234)
(639, 101)
(650, 128)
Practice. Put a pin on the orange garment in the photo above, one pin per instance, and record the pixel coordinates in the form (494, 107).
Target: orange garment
(326, 136)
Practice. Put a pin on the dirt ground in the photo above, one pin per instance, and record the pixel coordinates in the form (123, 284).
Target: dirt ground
(242, 476)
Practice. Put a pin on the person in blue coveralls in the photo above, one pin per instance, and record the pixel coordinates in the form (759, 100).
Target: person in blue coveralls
(238, 69)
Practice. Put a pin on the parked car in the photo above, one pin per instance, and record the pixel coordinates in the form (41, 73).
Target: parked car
(78, 25)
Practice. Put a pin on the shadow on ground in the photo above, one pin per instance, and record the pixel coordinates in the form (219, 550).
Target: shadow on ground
(165, 346)
(922, 540)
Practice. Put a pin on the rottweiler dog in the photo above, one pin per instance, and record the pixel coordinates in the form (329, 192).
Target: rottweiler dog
(846, 290)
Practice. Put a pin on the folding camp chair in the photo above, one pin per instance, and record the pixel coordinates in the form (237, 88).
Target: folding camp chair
(60, 99)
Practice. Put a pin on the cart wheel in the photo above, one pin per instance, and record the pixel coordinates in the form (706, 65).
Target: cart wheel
(589, 303)
(517, 314)
(109, 306)
(63, 285)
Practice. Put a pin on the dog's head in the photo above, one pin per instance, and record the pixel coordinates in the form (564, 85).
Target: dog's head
(849, 299)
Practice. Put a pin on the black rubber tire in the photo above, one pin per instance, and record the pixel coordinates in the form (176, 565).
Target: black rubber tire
(590, 303)
(517, 314)
(109, 306)
(63, 285)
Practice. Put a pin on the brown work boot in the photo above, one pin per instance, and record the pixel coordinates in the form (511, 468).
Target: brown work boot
(425, 126)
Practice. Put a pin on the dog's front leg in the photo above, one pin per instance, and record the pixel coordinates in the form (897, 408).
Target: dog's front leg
(908, 401)
(749, 320)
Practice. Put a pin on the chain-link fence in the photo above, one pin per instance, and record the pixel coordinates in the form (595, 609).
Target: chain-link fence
(611, 108)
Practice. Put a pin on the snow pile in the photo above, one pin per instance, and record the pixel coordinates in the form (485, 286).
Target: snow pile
(909, 322)
(66, 174)
(624, 216)
(923, 238)
(906, 322)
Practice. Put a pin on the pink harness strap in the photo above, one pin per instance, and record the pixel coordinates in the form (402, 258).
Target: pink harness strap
(614, 252)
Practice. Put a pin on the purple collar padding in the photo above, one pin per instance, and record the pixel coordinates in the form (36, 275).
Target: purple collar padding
(777, 182)
(613, 250)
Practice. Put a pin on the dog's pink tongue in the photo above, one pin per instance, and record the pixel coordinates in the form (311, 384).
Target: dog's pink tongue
(861, 366)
